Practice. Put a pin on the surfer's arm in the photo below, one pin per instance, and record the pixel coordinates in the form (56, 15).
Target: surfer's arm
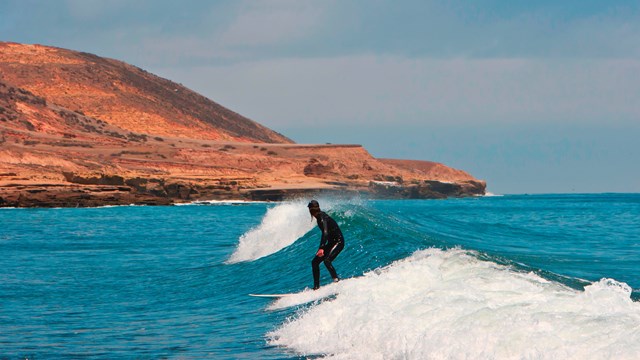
(324, 240)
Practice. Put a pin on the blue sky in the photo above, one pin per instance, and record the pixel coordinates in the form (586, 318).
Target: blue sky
(532, 96)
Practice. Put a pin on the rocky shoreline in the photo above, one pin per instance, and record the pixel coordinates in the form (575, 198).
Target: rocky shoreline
(116, 190)
(78, 130)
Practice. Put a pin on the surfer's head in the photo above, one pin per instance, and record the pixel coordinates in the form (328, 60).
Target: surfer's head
(314, 207)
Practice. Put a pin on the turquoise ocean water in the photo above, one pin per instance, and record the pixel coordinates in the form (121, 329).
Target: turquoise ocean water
(506, 277)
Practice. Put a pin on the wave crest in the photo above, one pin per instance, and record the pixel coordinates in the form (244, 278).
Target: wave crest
(281, 226)
(440, 304)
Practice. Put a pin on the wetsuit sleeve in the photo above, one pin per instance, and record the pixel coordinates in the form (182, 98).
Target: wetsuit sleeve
(324, 226)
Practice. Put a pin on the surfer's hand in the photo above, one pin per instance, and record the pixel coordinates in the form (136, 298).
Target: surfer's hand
(320, 253)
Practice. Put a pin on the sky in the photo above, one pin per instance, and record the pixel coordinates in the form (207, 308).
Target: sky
(531, 96)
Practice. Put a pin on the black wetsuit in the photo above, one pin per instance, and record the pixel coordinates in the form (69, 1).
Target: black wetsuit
(331, 242)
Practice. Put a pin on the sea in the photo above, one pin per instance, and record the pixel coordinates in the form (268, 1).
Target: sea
(494, 277)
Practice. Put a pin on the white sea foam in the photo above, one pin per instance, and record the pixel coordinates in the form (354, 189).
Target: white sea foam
(219, 202)
(306, 296)
(450, 305)
(281, 226)
(490, 194)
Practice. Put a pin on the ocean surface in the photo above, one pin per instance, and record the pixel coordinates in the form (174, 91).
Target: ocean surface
(501, 277)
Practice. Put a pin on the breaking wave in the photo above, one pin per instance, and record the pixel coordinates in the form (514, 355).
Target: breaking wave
(439, 304)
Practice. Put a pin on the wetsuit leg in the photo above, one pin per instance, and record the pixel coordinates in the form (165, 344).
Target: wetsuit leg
(335, 250)
(315, 267)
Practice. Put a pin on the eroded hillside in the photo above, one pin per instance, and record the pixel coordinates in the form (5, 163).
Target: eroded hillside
(80, 130)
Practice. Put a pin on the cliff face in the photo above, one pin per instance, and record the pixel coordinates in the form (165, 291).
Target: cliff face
(123, 95)
(79, 130)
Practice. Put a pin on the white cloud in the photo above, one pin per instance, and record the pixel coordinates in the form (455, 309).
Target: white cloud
(246, 32)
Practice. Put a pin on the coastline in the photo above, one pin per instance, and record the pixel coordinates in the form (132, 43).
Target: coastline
(73, 135)
(43, 195)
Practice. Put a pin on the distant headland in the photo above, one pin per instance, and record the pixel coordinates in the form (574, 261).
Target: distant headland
(77, 129)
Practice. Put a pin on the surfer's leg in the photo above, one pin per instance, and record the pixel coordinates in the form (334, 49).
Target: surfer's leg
(337, 248)
(315, 267)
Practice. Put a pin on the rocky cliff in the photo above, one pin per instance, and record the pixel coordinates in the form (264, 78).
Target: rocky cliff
(80, 130)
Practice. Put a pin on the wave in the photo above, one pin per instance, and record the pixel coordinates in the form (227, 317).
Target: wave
(281, 226)
(490, 194)
(442, 304)
(219, 202)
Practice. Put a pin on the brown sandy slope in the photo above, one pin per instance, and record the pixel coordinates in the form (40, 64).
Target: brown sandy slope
(80, 130)
(124, 95)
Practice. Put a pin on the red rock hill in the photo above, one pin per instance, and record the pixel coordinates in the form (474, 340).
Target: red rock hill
(124, 95)
(80, 130)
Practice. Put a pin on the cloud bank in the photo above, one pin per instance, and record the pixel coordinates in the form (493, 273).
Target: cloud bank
(378, 90)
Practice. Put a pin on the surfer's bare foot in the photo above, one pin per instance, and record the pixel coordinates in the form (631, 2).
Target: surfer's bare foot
(316, 287)
(336, 279)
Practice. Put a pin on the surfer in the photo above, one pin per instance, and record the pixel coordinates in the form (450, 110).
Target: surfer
(331, 243)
